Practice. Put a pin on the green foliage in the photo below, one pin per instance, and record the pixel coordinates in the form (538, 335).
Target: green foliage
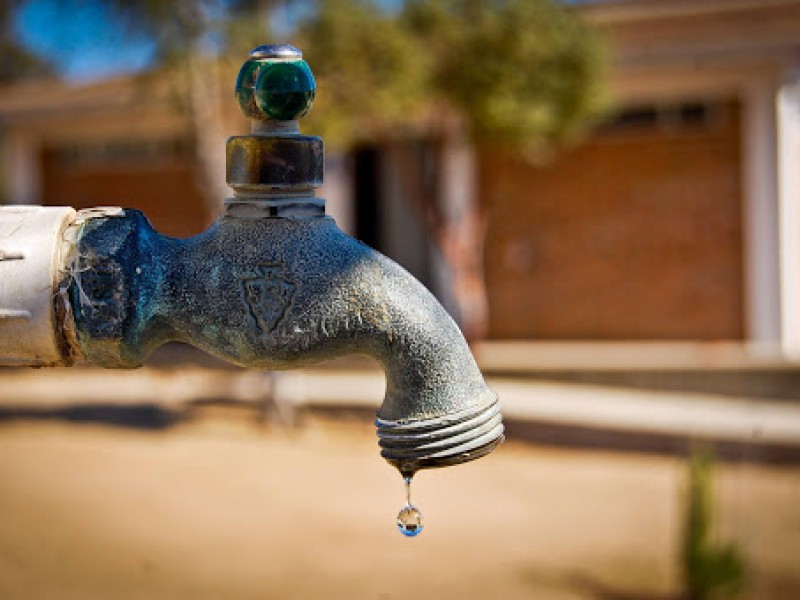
(526, 72)
(176, 26)
(710, 570)
(370, 74)
(521, 70)
(17, 63)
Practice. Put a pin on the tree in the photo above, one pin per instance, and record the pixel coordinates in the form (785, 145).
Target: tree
(187, 34)
(522, 73)
(526, 72)
(17, 62)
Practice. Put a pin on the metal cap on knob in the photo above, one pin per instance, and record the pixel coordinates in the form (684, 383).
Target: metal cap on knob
(286, 51)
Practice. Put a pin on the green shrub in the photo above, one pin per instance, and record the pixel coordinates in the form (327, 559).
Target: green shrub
(711, 570)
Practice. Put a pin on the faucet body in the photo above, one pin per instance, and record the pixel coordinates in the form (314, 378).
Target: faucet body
(280, 291)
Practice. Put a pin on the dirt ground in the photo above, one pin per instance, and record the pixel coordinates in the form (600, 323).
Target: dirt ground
(224, 508)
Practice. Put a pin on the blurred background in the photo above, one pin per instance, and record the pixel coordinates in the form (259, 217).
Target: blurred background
(603, 194)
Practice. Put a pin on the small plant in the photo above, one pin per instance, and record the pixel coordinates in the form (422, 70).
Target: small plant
(711, 570)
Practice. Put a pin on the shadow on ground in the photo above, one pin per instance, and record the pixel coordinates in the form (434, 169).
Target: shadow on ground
(152, 416)
(134, 416)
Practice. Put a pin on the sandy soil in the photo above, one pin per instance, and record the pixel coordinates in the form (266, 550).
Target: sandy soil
(223, 508)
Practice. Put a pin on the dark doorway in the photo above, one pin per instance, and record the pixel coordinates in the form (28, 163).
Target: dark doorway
(367, 174)
(388, 216)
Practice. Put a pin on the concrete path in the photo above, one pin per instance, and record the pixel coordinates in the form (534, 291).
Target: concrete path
(657, 412)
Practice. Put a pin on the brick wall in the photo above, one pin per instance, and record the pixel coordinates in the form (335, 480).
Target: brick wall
(634, 234)
(161, 181)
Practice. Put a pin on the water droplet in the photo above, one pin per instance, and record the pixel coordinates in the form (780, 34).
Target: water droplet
(409, 519)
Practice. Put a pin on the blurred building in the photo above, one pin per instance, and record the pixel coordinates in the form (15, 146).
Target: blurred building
(678, 220)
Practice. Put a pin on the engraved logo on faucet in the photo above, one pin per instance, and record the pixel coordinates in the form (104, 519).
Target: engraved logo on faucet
(268, 294)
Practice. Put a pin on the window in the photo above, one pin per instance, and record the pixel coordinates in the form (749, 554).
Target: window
(661, 117)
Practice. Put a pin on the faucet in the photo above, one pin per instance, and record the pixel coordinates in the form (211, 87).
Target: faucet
(273, 284)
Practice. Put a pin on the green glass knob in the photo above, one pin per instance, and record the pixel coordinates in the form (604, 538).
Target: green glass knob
(284, 91)
(275, 83)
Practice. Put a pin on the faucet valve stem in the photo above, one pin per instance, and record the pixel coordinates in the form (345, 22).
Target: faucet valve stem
(274, 88)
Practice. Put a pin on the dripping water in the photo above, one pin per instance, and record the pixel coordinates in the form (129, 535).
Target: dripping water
(409, 519)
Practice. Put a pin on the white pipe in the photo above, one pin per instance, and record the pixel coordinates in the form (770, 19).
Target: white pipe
(31, 260)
